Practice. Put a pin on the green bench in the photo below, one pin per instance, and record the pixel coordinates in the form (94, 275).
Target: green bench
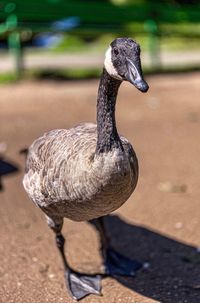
(19, 19)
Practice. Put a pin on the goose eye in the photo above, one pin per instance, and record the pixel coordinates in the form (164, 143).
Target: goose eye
(116, 52)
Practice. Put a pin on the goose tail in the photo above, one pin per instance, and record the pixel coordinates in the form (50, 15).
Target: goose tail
(23, 151)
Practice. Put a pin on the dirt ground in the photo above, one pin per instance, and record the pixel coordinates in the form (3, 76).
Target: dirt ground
(159, 224)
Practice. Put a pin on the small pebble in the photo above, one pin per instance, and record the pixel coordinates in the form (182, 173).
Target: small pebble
(43, 268)
(146, 265)
(3, 147)
(51, 276)
(178, 225)
(182, 188)
(165, 187)
(168, 187)
(34, 259)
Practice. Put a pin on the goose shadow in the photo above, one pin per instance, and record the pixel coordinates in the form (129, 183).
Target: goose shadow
(6, 167)
(173, 274)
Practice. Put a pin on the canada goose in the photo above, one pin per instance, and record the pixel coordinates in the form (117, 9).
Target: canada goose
(88, 171)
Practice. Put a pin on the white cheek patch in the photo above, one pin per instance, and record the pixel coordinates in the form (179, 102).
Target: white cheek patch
(109, 65)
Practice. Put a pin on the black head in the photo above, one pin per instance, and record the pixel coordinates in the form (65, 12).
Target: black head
(122, 61)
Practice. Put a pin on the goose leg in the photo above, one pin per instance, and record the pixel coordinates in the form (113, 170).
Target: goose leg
(114, 262)
(79, 285)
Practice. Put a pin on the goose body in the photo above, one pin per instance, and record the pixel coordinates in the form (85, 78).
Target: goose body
(88, 171)
(65, 177)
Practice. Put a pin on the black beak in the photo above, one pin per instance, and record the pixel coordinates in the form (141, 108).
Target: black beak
(134, 75)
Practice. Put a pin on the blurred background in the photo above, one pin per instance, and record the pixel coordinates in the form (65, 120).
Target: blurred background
(69, 37)
(51, 57)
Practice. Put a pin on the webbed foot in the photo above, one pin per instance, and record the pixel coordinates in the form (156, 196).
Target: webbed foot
(81, 285)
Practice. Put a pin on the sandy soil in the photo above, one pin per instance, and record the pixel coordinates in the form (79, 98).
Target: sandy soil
(160, 222)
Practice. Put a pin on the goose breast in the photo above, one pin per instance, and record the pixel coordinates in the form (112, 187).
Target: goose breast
(66, 178)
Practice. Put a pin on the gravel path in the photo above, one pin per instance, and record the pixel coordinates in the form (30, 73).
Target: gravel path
(160, 222)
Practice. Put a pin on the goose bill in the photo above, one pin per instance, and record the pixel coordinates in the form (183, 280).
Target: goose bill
(134, 76)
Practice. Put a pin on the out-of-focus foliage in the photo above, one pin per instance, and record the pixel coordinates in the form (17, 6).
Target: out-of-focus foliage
(78, 26)
(150, 2)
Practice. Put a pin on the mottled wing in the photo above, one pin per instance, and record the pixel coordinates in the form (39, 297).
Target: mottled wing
(52, 156)
(132, 157)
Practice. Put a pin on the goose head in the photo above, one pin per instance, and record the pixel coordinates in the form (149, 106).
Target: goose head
(122, 62)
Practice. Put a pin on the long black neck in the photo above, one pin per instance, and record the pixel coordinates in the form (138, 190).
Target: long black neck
(107, 135)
